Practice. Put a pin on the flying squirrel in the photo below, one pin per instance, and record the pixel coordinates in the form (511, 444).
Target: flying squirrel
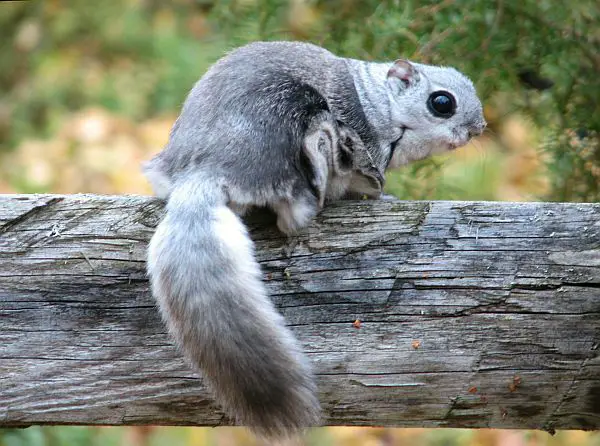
(288, 126)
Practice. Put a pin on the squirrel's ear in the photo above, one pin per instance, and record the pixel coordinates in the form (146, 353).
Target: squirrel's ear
(404, 71)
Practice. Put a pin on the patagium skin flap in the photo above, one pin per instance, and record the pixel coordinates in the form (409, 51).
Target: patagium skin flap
(292, 127)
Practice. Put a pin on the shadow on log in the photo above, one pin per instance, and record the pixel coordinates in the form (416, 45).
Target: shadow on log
(428, 314)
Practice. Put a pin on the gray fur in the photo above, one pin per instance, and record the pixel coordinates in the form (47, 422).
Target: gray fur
(289, 126)
(209, 290)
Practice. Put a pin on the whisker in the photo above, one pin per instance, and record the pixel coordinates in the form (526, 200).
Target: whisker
(490, 131)
(483, 154)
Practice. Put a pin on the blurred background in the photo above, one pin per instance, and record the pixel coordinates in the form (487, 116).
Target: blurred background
(88, 90)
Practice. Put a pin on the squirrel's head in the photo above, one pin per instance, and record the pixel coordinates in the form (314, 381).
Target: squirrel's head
(435, 109)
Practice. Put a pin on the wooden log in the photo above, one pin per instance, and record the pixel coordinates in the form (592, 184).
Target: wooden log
(471, 314)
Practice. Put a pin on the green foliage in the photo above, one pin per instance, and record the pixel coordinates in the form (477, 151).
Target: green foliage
(139, 59)
(513, 49)
(135, 60)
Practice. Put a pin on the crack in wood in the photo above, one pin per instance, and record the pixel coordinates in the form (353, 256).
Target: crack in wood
(33, 212)
(550, 423)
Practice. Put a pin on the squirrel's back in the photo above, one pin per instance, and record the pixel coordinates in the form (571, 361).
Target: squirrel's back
(248, 113)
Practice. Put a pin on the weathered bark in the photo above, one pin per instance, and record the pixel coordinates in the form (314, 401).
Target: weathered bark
(472, 314)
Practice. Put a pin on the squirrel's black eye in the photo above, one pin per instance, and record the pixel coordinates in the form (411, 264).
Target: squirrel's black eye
(441, 104)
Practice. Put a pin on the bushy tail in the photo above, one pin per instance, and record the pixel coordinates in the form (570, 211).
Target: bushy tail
(208, 286)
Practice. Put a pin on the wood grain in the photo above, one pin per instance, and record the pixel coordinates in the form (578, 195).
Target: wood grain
(471, 314)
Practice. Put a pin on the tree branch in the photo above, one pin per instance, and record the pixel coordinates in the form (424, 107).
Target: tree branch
(470, 314)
